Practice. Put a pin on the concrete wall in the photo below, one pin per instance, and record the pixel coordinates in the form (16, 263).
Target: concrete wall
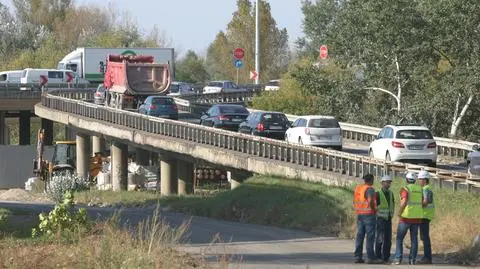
(16, 164)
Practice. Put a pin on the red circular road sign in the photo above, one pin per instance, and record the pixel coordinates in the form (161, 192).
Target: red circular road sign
(324, 52)
(238, 53)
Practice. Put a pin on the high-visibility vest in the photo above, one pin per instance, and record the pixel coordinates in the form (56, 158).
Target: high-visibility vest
(360, 203)
(414, 209)
(385, 208)
(429, 210)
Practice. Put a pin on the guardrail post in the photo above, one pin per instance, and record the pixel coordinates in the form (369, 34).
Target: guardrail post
(455, 185)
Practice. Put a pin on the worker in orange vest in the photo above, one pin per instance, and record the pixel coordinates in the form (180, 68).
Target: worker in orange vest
(364, 202)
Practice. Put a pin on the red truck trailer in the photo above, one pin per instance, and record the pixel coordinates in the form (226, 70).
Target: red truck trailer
(129, 79)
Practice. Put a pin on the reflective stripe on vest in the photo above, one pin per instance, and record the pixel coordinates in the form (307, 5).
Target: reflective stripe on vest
(360, 203)
(385, 209)
(414, 209)
(429, 210)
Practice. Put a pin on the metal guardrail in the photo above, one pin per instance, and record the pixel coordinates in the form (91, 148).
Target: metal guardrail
(280, 151)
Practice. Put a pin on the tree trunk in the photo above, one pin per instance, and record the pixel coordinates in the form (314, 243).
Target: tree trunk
(457, 120)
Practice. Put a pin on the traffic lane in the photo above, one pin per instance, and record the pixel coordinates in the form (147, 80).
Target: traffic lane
(352, 148)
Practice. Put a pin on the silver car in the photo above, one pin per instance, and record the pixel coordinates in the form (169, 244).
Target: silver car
(99, 97)
(473, 162)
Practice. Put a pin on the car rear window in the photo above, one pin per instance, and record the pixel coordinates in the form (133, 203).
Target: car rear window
(324, 123)
(163, 101)
(233, 110)
(100, 89)
(174, 88)
(274, 117)
(414, 134)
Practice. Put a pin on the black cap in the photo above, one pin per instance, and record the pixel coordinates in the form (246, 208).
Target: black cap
(368, 177)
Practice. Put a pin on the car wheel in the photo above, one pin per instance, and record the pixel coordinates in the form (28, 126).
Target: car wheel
(387, 157)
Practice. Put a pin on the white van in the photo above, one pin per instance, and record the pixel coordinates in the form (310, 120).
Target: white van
(10, 76)
(32, 75)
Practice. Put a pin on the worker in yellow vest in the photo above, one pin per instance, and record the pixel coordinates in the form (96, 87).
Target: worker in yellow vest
(411, 214)
(364, 203)
(385, 211)
(428, 214)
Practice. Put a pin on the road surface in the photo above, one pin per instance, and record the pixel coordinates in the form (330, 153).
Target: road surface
(251, 246)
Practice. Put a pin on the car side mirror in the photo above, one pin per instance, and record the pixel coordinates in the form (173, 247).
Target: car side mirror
(204, 113)
(375, 137)
(290, 123)
(475, 147)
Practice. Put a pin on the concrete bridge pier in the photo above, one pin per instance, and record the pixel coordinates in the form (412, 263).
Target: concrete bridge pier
(119, 154)
(168, 177)
(3, 129)
(98, 144)
(24, 127)
(236, 177)
(69, 133)
(83, 154)
(185, 177)
(47, 125)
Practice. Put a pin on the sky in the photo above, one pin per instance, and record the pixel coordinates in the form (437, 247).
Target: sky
(193, 24)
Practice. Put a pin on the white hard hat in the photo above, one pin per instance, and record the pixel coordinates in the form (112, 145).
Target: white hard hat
(386, 178)
(411, 177)
(423, 175)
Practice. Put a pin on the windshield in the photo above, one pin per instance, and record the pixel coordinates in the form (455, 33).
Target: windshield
(414, 134)
(64, 154)
(324, 123)
(233, 110)
(163, 101)
(174, 88)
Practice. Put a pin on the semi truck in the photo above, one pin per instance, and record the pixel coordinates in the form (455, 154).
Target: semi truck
(90, 63)
(130, 79)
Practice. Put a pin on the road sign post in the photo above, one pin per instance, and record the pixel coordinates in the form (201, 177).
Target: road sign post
(323, 52)
(239, 53)
(238, 64)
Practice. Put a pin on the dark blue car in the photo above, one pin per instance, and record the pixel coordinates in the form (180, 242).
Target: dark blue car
(159, 106)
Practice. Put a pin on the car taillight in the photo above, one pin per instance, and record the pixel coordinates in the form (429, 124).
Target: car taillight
(222, 117)
(98, 94)
(152, 107)
(432, 145)
(260, 127)
(396, 144)
(307, 131)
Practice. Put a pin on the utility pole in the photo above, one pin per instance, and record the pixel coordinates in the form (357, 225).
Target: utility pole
(257, 42)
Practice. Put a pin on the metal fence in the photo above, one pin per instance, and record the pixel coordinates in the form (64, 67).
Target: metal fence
(279, 151)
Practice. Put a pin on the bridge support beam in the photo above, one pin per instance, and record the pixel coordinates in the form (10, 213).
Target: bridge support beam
(83, 154)
(24, 127)
(168, 177)
(69, 133)
(119, 154)
(185, 177)
(3, 128)
(47, 125)
(142, 157)
(98, 144)
(235, 177)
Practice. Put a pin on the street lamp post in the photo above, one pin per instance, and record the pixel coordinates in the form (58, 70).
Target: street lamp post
(257, 42)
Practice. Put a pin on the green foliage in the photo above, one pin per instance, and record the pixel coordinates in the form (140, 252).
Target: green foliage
(62, 220)
(274, 53)
(191, 69)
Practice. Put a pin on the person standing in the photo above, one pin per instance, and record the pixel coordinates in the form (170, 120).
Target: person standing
(364, 203)
(428, 214)
(385, 211)
(411, 214)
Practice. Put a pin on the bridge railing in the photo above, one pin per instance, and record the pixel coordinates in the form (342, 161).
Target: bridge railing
(279, 151)
(200, 102)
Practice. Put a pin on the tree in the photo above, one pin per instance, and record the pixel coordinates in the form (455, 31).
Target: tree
(274, 51)
(191, 69)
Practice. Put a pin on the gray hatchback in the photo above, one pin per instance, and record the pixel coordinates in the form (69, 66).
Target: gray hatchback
(99, 97)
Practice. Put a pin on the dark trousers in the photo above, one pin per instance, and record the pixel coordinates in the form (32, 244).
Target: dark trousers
(365, 226)
(425, 237)
(402, 230)
(383, 238)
